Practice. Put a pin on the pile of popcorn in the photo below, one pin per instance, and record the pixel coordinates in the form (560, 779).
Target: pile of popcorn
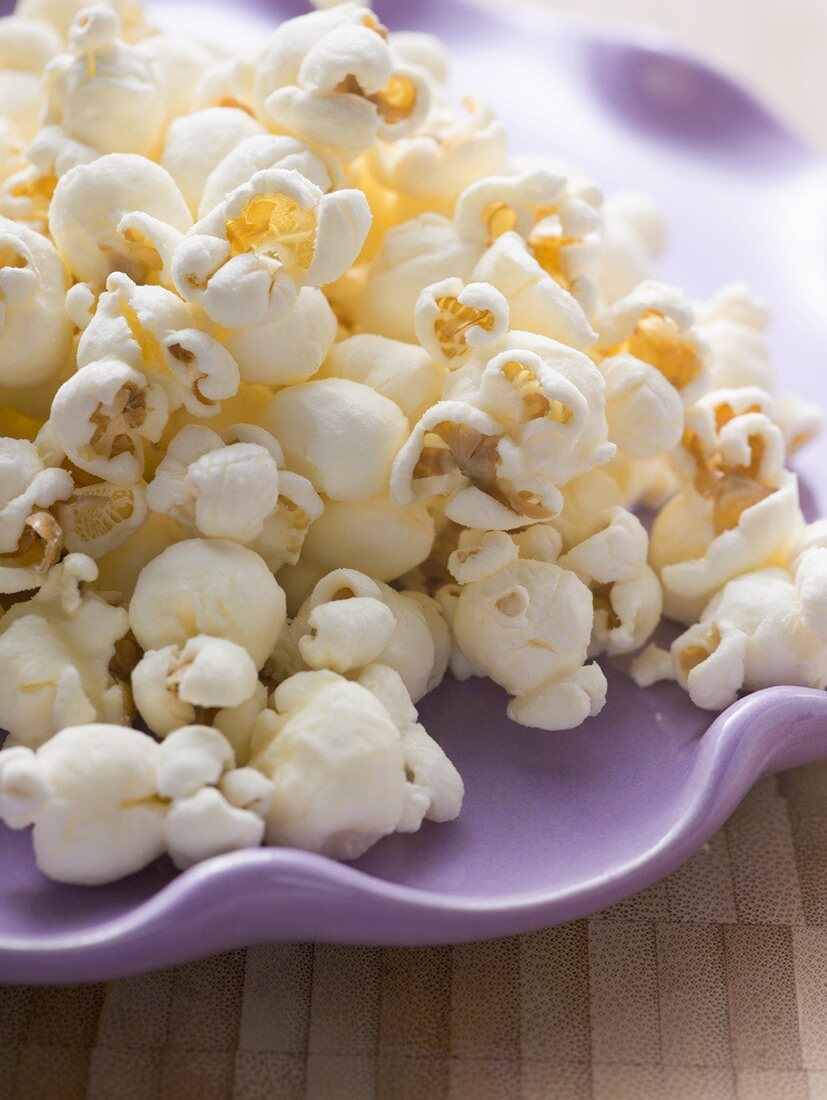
(310, 393)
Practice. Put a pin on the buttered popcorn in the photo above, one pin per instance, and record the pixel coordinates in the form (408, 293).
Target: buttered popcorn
(313, 395)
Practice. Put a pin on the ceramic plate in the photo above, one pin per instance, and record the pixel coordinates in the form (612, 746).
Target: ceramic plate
(555, 826)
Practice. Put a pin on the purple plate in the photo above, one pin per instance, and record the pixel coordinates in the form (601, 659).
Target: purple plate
(555, 826)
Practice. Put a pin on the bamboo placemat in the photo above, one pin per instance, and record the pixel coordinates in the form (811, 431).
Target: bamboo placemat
(710, 985)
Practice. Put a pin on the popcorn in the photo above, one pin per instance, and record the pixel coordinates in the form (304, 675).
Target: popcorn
(262, 151)
(172, 686)
(632, 236)
(55, 652)
(35, 330)
(527, 625)
(246, 260)
(413, 255)
(234, 486)
(96, 814)
(338, 768)
(197, 143)
(208, 586)
(152, 330)
(26, 48)
(103, 417)
(341, 435)
(332, 77)
(537, 302)
(411, 645)
(104, 93)
(654, 323)
(626, 592)
(739, 511)
(119, 213)
(404, 373)
(374, 536)
(289, 350)
(289, 332)
(537, 420)
(453, 319)
(31, 539)
(755, 633)
(450, 150)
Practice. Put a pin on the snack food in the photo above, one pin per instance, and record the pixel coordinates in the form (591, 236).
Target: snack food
(310, 393)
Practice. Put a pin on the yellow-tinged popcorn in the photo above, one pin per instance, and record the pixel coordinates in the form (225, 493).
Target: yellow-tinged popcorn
(197, 143)
(246, 260)
(332, 77)
(311, 393)
(208, 586)
(55, 653)
(35, 329)
(105, 93)
(122, 212)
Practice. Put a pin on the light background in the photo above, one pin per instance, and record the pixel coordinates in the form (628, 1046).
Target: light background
(778, 48)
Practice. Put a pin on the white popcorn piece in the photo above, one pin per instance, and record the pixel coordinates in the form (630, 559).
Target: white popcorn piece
(480, 554)
(557, 216)
(61, 13)
(414, 647)
(104, 415)
(655, 323)
(537, 302)
(195, 144)
(423, 51)
(333, 78)
(374, 536)
(528, 627)
(26, 47)
(206, 825)
(261, 151)
(626, 592)
(336, 761)
(218, 490)
(122, 212)
(413, 255)
(404, 373)
(96, 813)
(31, 538)
(173, 685)
(453, 319)
(182, 63)
(246, 260)
(98, 518)
(632, 236)
(289, 350)
(227, 82)
(644, 410)
(208, 586)
(346, 634)
(740, 510)
(152, 330)
(434, 789)
(55, 651)
(35, 330)
(247, 789)
(450, 150)
(191, 758)
(755, 633)
(105, 93)
(537, 420)
(341, 435)
(652, 666)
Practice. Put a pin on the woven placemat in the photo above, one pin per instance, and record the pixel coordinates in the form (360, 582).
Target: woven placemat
(710, 985)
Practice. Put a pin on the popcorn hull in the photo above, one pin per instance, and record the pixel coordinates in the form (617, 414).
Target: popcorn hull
(555, 825)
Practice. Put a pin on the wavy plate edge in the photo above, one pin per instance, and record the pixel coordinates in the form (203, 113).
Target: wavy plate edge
(264, 895)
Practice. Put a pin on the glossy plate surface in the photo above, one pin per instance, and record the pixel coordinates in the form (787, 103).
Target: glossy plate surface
(555, 826)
